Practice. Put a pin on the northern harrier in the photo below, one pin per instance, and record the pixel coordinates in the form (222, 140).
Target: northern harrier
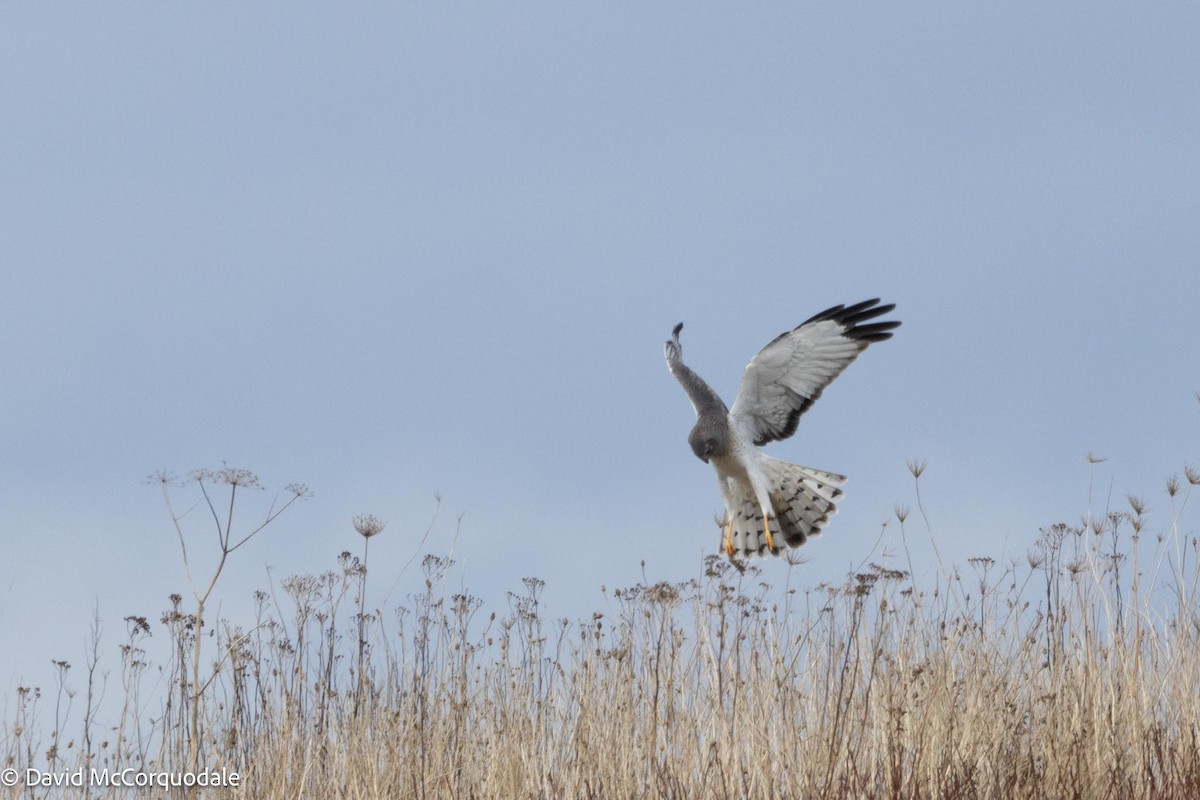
(765, 497)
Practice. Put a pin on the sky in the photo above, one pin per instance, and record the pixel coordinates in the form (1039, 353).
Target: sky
(402, 252)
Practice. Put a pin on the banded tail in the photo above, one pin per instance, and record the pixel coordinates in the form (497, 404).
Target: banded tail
(804, 500)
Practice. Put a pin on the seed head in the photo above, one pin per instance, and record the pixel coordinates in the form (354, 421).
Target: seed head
(1136, 503)
(162, 477)
(234, 476)
(368, 525)
(793, 558)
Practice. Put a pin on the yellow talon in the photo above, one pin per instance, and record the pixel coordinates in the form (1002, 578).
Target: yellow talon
(767, 533)
(729, 538)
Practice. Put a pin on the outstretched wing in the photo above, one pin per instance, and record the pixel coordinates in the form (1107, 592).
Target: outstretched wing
(789, 374)
(704, 400)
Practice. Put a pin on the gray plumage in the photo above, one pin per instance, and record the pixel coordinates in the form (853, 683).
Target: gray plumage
(766, 498)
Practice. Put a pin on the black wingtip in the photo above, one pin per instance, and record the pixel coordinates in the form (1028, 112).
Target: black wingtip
(853, 316)
(677, 329)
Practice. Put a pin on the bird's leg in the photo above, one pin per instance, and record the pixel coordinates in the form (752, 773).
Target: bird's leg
(767, 534)
(729, 536)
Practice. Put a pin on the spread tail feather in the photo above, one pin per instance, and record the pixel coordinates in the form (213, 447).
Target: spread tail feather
(803, 498)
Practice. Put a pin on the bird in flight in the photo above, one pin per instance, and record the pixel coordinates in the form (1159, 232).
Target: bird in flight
(766, 499)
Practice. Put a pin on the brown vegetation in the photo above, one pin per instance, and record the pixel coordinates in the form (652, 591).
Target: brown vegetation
(1072, 673)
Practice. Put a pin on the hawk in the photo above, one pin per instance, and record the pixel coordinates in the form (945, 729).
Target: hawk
(766, 498)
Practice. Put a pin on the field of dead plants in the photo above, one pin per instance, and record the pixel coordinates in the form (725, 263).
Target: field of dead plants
(1070, 672)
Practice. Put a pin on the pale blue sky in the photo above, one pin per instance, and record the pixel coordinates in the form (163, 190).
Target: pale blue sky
(393, 250)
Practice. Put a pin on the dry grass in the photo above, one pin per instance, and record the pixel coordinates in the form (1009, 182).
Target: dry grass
(1072, 673)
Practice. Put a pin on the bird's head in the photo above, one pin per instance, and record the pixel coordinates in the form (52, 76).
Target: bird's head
(709, 438)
